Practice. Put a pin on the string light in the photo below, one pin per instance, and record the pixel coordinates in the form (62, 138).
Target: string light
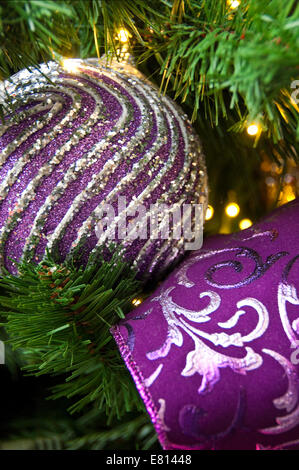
(70, 65)
(123, 35)
(245, 223)
(136, 302)
(287, 194)
(232, 209)
(209, 212)
(290, 197)
(122, 53)
(253, 129)
(233, 4)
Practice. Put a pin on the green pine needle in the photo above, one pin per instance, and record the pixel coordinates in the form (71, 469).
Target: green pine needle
(59, 317)
(221, 63)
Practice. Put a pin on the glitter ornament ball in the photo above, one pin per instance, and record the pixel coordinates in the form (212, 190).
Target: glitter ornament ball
(81, 136)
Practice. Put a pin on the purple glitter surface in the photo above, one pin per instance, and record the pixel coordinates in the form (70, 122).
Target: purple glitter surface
(14, 131)
(17, 238)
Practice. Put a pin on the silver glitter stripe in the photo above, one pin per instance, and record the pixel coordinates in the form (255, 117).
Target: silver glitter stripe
(37, 82)
(47, 168)
(84, 162)
(27, 114)
(70, 175)
(110, 166)
(176, 247)
(184, 139)
(12, 90)
(10, 148)
(142, 196)
(137, 167)
(39, 145)
(143, 251)
(177, 183)
(25, 91)
(47, 92)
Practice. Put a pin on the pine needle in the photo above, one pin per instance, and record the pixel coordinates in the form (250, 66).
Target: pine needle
(59, 317)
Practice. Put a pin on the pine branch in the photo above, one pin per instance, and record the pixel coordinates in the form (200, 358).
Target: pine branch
(251, 52)
(59, 316)
(140, 429)
(46, 433)
(30, 30)
(205, 51)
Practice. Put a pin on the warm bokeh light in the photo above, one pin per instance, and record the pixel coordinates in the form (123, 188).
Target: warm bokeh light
(136, 302)
(233, 4)
(122, 53)
(288, 194)
(210, 212)
(245, 223)
(123, 35)
(253, 129)
(290, 197)
(232, 209)
(70, 65)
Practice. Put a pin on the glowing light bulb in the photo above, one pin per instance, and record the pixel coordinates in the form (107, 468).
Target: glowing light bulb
(70, 65)
(288, 193)
(245, 223)
(291, 197)
(232, 209)
(123, 35)
(136, 302)
(209, 212)
(233, 4)
(253, 129)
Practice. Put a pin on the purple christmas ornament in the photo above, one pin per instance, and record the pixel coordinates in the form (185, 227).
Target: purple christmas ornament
(214, 352)
(91, 134)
